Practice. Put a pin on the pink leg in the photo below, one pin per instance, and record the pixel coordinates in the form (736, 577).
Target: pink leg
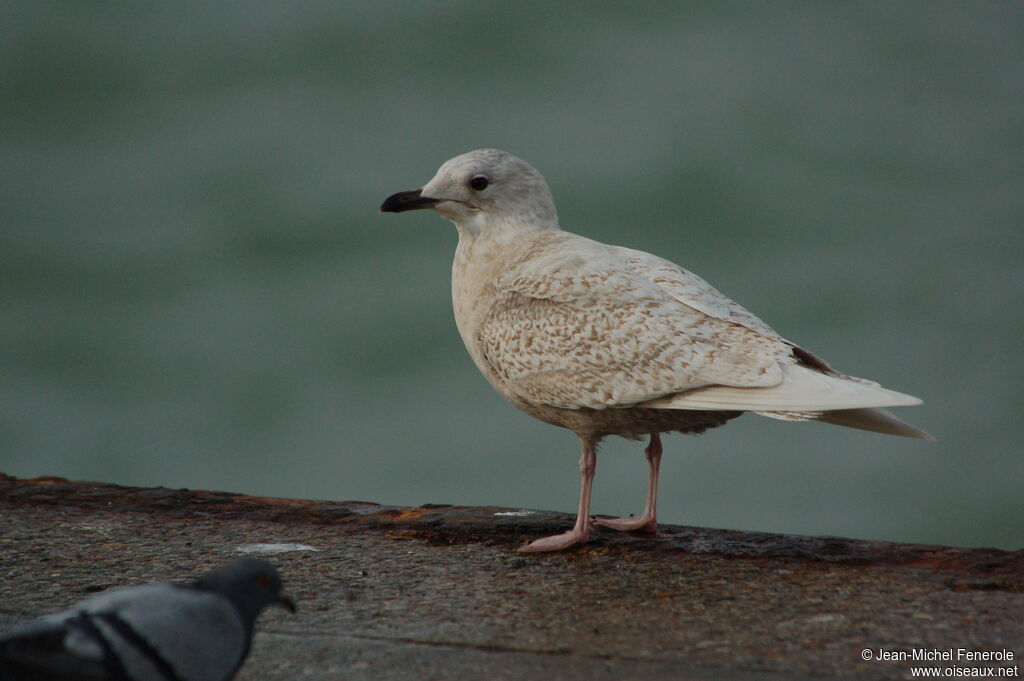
(581, 531)
(648, 522)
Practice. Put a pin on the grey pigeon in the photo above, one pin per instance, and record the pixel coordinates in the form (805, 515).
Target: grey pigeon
(153, 632)
(605, 340)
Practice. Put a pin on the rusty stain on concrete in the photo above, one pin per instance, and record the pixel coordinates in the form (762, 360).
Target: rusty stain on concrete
(460, 524)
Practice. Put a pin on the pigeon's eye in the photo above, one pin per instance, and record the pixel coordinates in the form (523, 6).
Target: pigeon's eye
(479, 183)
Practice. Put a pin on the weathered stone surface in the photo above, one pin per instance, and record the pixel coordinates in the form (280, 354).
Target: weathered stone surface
(438, 592)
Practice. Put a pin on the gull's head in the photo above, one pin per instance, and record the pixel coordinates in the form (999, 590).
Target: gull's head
(483, 190)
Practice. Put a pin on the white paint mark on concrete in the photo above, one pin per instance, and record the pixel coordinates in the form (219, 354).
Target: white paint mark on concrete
(274, 548)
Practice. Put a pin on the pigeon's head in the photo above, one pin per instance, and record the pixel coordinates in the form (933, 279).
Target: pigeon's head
(250, 584)
(481, 190)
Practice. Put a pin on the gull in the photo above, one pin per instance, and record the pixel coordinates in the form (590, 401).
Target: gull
(151, 632)
(605, 340)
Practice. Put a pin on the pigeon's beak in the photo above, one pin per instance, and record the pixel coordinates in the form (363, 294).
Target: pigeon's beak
(286, 603)
(411, 200)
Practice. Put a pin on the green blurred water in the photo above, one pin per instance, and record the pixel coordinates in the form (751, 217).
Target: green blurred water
(197, 290)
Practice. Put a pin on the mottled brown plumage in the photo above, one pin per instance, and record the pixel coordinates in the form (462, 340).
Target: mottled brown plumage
(605, 340)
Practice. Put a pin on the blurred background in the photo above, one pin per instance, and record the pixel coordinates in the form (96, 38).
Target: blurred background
(197, 290)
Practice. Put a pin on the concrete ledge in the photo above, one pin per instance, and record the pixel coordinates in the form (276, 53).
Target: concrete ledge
(437, 592)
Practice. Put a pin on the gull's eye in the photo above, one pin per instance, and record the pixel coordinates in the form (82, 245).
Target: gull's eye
(479, 183)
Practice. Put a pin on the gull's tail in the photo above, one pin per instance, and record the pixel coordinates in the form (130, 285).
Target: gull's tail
(877, 420)
(806, 394)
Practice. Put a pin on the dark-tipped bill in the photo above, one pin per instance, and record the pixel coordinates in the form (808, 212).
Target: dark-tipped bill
(403, 201)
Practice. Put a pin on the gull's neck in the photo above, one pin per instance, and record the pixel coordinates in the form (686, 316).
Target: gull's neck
(487, 230)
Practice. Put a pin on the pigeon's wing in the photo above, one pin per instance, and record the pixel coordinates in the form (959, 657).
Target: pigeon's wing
(576, 323)
(38, 652)
(198, 634)
(572, 325)
(145, 633)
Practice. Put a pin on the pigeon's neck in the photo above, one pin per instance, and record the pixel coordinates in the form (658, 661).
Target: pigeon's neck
(247, 603)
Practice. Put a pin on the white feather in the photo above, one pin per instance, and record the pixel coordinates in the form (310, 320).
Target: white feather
(801, 389)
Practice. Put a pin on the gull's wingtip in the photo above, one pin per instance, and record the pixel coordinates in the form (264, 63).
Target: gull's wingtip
(875, 420)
